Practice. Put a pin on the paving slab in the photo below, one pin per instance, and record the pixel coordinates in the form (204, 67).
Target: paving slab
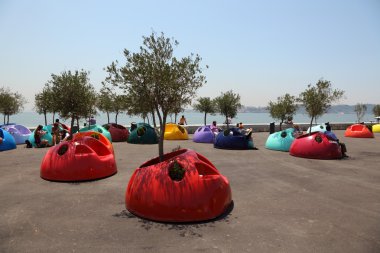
(281, 204)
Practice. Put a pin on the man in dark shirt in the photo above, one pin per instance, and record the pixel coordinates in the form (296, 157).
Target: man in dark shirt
(331, 136)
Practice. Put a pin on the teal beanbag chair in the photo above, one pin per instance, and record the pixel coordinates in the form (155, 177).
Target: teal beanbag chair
(99, 129)
(47, 136)
(143, 134)
(281, 140)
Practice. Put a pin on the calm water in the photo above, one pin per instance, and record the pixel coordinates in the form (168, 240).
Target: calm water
(31, 119)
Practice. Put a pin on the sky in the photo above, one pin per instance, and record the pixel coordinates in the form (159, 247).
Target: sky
(259, 49)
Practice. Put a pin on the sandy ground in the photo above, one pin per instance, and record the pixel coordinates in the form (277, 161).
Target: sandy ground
(281, 204)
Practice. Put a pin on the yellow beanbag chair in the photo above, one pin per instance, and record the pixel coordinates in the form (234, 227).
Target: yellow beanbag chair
(175, 132)
(376, 128)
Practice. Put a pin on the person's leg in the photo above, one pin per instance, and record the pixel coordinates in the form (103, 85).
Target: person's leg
(344, 149)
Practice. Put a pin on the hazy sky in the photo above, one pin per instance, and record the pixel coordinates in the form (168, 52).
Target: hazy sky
(259, 49)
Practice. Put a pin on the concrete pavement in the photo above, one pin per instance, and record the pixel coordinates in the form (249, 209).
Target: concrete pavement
(281, 204)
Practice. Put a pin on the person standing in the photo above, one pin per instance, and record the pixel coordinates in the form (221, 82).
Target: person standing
(182, 120)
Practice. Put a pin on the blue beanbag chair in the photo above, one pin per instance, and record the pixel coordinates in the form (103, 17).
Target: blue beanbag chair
(8, 142)
(204, 135)
(281, 140)
(233, 139)
(19, 132)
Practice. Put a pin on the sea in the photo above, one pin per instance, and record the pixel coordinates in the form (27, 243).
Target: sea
(32, 119)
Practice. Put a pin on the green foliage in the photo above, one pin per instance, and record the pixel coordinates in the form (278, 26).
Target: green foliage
(284, 108)
(154, 79)
(104, 100)
(74, 95)
(176, 172)
(44, 101)
(110, 102)
(10, 103)
(318, 99)
(228, 104)
(376, 110)
(205, 105)
(360, 110)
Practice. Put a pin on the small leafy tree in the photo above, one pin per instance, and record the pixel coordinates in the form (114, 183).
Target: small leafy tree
(318, 99)
(228, 105)
(74, 95)
(205, 105)
(376, 110)
(155, 79)
(284, 108)
(10, 103)
(360, 110)
(44, 102)
(104, 101)
(119, 105)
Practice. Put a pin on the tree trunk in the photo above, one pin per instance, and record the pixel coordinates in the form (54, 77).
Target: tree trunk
(53, 117)
(116, 117)
(205, 117)
(228, 124)
(4, 118)
(161, 141)
(281, 125)
(108, 117)
(162, 132)
(311, 123)
(77, 122)
(8, 119)
(45, 118)
(154, 119)
(71, 126)
(175, 117)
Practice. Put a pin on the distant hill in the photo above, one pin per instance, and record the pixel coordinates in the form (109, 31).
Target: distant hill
(333, 109)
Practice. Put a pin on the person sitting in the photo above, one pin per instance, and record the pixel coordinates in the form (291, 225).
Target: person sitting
(182, 120)
(38, 133)
(92, 121)
(214, 128)
(55, 132)
(331, 136)
(289, 121)
(297, 131)
(247, 132)
(133, 126)
(65, 135)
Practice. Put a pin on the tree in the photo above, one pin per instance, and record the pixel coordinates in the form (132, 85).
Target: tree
(228, 105)
(284, 108)
(206, 105)
(119, 105)
(154, 79)
(318, 99)
(10, 103)
(44, 102)
(376, 110)
(74, 95)
(105, 101)
(360, 110)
